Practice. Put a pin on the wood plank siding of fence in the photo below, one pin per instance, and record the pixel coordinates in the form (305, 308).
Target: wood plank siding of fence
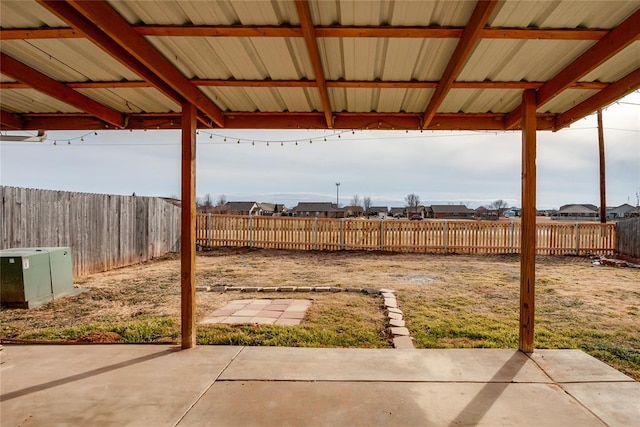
(103, 231)
(628, 241)
(432, 236)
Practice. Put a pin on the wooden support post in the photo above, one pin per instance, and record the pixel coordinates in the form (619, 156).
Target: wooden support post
(603, 187)
(528, 224)
(188, 236)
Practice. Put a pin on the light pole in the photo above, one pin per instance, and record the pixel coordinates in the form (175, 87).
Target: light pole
(338, 194)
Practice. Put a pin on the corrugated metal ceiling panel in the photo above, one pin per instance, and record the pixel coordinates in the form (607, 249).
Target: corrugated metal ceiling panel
(54, 57)
(387, 12)
(385, 59)
(566, 100)
(136, 100)
(26, 14)
(219, 12)
(32, 101)
(379, 100)
(265, 99)
(515, 60)
(619, 66)
(568, 14)
(238, 58)
(481, 101)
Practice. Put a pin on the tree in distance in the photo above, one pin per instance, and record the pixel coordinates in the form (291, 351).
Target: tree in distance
(413, 201)
(500, 206)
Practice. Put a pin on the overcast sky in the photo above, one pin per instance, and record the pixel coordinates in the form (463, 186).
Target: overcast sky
(475, 168)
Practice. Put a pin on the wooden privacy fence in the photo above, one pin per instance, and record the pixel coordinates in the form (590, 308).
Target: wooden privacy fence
(628, 241)
(431, 236)
(103, 231)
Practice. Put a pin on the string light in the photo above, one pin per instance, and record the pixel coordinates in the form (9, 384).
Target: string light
(69, 142)
(211, 136)
(225, 139)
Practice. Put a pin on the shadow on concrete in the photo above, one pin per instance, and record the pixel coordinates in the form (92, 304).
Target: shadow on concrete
(489, 394)
(81, 376)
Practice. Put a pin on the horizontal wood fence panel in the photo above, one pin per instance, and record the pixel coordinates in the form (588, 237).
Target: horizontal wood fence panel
(103, 231)
(431, 236)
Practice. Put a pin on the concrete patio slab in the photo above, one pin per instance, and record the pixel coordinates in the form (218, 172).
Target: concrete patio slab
(105, 384)
(328, 364)
(386, 404)
(159, 385)
(571, 366)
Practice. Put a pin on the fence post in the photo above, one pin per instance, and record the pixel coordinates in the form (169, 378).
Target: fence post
(315, 233)
(513, 237)
(209, 230)
(342, 244)
(382, 234)
(250, 231)
(445, 238)
(577, 231)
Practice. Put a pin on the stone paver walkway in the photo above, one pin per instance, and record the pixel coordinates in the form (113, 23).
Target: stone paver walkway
(285, 312)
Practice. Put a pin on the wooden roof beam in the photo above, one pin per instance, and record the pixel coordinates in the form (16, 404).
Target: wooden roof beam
(87, 29)
(45, 84)
(308, 31)
(613, 92)
(111, 23)
(470, 36)
(368, 84)
(608, 46)
(9, 120)
(327, 31)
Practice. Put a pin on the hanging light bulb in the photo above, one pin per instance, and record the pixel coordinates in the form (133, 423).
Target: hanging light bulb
(69, 142)
(210, 136)
(353, 132)
(325, 139)
(310, 142)
(253, 143)
(296, 142)
(55, 142)
(225, 139)
(267, 143)
(238, 141)
(339, 136)
(82, 139)
(95, 133)
(282, 144)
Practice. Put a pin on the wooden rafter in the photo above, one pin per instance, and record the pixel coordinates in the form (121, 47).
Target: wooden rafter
(608, 46)
(321, 31)
(470, 36)
(110, 22)
(308, 30)
(82, 26)
(615, 91)
(10, 121)
(45, 84)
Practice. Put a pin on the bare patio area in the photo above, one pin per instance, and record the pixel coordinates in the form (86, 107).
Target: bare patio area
(240, 386)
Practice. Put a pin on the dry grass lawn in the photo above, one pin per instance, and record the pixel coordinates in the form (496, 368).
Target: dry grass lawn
(448, 301)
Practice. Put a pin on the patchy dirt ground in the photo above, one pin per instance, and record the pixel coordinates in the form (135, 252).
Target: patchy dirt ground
(451, 300)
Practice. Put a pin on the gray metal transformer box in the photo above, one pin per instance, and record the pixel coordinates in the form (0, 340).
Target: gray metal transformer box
(30, 277)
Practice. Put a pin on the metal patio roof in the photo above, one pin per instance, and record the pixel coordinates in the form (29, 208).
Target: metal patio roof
(437, 65)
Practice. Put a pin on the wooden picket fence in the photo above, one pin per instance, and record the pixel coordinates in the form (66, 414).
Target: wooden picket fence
(429, 236)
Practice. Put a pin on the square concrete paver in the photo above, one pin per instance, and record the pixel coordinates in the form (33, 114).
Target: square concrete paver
(105, 385)
(616, 403)
(572, 366)
(286, 312)
(386, 404)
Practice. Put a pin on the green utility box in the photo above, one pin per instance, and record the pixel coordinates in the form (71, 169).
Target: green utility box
(30, 277)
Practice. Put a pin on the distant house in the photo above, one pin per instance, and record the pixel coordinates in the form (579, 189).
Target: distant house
(378, 211)
(238, 208)
(620, 211)
(452, 212)
(353, 211)
(398, 212)
(576, 211)
(270, 209)
(516, 211)
(485, 213)
(418, 210)
(318, 210)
